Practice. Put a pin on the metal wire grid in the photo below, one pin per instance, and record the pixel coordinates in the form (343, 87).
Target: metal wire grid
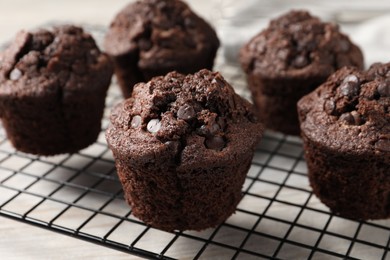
(79, 195)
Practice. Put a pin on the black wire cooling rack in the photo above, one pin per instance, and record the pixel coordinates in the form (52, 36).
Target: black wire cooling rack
(278, 217)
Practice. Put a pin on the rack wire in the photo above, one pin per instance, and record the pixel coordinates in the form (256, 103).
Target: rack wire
(278, 217)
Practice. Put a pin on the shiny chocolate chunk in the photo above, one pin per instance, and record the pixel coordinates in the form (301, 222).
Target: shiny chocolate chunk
(381, 71)
(186, 112)
(215, 142)
(203, 131)
(300, 61)
(351, 78)
(352, 118)
(358, 120)
(329, 107)
(350, 86)
(384, 89)
(15, 74)
(251, 117)
(154, 125)
(347, 118)
(136, 121)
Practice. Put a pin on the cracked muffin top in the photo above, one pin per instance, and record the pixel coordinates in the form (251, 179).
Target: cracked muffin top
(192, 119)
(52, 61)
(161, 33)
(298, 44)
(351, 111)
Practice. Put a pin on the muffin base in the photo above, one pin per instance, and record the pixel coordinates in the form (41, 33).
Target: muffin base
(47, 126)
(352, 186)
(194, 199)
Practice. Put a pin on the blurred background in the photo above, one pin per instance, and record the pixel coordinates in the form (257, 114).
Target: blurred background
(366, 22)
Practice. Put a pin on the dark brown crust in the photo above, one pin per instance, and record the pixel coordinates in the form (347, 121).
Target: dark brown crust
(346, 133)
(195, 198)
(352, 186)
(175, 178)
(290, 58)
(150, 38)
(52, 90)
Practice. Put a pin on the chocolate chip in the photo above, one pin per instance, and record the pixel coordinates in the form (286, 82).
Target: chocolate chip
(384, 89)
(219, 81)
(15, 74)
(329, 107)
(212, 128)
(300, 61)
(381, 71)
(351, 78)
(136, 121)
(186, 112)
(347, 118)
(215, 143)
(203, 131)
(352, 118)
(252, 117)
(357, 118)
(350, 86)
(154, 125)
(383, 145)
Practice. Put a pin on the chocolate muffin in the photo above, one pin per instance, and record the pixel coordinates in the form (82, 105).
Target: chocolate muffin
(182, 147)
(153, 37)
(52, 90)
(346, 132)
(289, 59)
